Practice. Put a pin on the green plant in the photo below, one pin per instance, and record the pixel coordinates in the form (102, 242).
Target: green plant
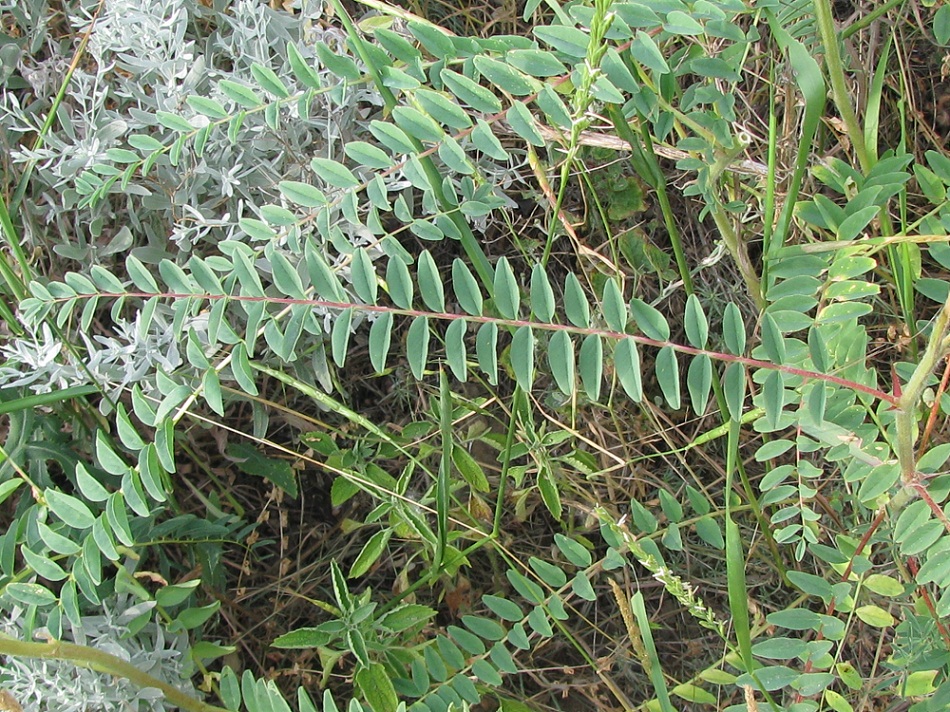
(278, 264)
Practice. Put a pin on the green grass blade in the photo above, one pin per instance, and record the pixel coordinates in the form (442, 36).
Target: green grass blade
(655, 668)
(735, 559)
(445, 470)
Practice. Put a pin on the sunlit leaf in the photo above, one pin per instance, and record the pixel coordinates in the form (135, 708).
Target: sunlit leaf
(627, 365)
(507, 293)
(733, 329)
(591, 365)
(667, 374)
(430, 283)
(522, 357)
(651, 322)
(455, 349)
(561, 361)
(380, 334)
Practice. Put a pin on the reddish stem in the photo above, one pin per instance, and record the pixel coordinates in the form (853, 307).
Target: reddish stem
(447, 316)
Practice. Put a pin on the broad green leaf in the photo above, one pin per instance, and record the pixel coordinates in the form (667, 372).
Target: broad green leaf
(69, 509)
(466, 288)
(302, 638)
(817, 350)
(30, 594)
(697, 327)
(651, 322)
(506, 77)
(392, 137)
(615, 311)
(302, 69)
(302, 194)
(591, 365)
(399, 282)
(370, 553)
(43, 566)
(380, 334)
(122, 156)
(275, 470)
(140, 275)
(174, 122)
(241, 370)
(470, 470)
(884, 585)
(269, 81)
(667, 374)
(552, 575)
(528, 589)
(507, 294)
(107, 457)
(874, 616)
(417, 124)
(523, 124)
(694, 693)
(486, 350)
(733, 386)
(569, 40)
(443, 109)
(484, 627)
(542, 295)
(286, 278)
(699, 382)
(9, 487)
(434, 39)
(627, 366)
(550, 494)
(536, 62)
(333, 173)
(368, 155)
(646, 52)
(340, 336)
(376, 687)
(852, 225)
(486, 142)
(89, 486)
(503, 608)
(406, 617)
(363, 274)
(455, 349)
(470, 92)
(417, 346)
(257, 229)
(324, 280)
(561, 361)
(575, 302)
(146, 143)
(337, 62)
(208, 107)
(773, 398)
(454, 157)
(522, 357)
(430, 283)
(575, 552)
(679, 23)
(550, 103)
(733, 329)
(773, 340)
(468, 642)
(240, 94)
(582, 587)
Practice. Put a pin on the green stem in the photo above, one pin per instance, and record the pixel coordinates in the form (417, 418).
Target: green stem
(839, 91)
(906, 417)
(103, 662)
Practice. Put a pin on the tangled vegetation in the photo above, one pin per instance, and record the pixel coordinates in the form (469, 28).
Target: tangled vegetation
(582, 355)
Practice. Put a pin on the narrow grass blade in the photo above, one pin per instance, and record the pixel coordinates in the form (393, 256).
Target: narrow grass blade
(655, 668)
